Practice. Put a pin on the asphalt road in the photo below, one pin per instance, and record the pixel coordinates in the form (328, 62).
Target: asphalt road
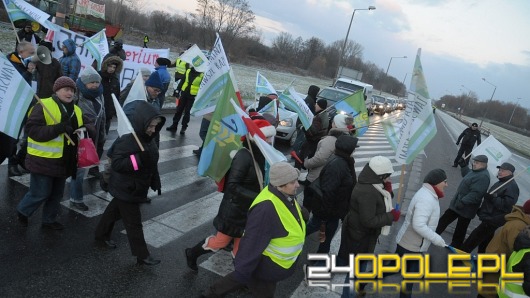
(40, 263)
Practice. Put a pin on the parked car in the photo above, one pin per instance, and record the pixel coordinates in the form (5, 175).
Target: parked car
(379, 105)
(332, 95)
(401, 104)
(286, 129)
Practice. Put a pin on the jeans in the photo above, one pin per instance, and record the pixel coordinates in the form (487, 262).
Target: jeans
(331, 227)
(76, 186)
(43, 189)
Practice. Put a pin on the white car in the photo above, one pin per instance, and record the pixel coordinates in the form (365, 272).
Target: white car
(286, 129)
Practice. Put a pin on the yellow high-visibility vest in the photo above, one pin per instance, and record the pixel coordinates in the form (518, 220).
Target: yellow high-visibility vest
(285, 250)
(194, 89)
(513, 289)
(180, 67)
(52, 148)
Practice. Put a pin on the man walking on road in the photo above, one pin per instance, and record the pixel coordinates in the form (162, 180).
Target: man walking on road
(467, 199)
(492, 211)
(468, 137)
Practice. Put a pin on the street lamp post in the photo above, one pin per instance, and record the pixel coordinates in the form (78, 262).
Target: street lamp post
(346, 39)
(487, 107)
(387, 68)
(516, 104)
(462, 101)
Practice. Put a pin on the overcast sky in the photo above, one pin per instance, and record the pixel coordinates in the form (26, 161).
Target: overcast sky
(462, 41)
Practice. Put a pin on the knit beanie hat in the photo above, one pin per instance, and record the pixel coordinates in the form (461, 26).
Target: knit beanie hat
(62, 82)
(89, 75)
(282, 173)
(154, 81)
(322, 103)
(346, 144)
(145, 71)
(266, 128)
(435, 176)
(526, 207)
(343, 121)
(381, 165)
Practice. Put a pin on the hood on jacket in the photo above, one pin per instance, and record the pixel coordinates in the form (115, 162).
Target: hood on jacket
(313, 91)
(142, 117)
(518, 214)
(112, 60)
(70, 46)
(522, 240)
(368, 176)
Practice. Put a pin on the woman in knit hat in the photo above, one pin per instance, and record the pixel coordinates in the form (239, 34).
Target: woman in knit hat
(89, 98)
(273, 240)
(418, 231)
(51, 157)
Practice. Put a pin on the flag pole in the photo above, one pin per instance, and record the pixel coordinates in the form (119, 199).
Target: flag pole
(133, 132)
(256, 168)
(400, 191)
(13, 26)
(53, 118)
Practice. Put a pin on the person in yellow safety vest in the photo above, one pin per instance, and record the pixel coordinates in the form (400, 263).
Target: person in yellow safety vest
(519, 261)
(180, 74)
(146, 40)
(273, 239)
(190, 88)
(51, 156)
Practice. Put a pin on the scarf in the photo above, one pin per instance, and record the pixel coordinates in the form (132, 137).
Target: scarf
(88, 93)
(388, 205)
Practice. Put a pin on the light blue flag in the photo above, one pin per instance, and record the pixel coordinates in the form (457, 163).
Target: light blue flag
(21, 10)
(354, 105)
(263, 86)
(98, 46)
(292, 101)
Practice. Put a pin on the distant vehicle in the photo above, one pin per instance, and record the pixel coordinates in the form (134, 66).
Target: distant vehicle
(391, 104)
(401, 104)
(379, 104)
(332, 95)
(353, 86)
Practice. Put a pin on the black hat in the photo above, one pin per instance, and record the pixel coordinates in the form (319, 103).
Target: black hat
(481, 158)
(346, 144)
(435, 176)
(507, 166)
(474, 124)
(163, 61)
(322, 103)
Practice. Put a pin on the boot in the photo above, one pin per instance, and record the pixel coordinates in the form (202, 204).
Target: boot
(192, 254)
(172, 128)
(13, 171)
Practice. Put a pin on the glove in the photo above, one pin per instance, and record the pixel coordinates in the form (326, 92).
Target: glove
(396, 214)
(439, 241)
(457, 143)
(156, 185)
(388, 186)
(490, 197)
(462, 163)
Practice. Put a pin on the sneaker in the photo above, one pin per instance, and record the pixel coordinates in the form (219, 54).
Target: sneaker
(94, 171)
(79, 206)
(197, 152)
(13, 171)
(53, 226)
(182, 131)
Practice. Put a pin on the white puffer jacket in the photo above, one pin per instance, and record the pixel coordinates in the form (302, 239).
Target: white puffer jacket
(418, 231)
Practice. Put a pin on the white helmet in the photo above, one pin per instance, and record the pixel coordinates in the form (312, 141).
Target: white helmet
(381, 165)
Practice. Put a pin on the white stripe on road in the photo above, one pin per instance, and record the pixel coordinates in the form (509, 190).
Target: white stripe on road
(169, 226)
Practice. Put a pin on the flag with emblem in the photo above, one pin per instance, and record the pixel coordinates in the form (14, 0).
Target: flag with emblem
(196, 58)
(294, 102)
(97, 46)
(354, 106)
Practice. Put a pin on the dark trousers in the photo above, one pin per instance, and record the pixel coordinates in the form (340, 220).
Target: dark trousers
(332, 225)
(461, 226)
(481, 237)
(228, 284)
(203, 131)
(463, 150)
(412, 267)
(185, 103)
(132, 220)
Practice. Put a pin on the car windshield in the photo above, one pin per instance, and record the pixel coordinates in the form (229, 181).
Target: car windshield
(378, 99)
(333, 95)
(348, 86)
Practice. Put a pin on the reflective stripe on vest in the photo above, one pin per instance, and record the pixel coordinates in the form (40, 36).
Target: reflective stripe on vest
(285, 250)
(180, 66)
(54, 147)
(194, 89)
(513, 289)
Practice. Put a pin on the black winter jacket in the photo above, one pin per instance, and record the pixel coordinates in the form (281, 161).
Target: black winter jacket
(111, 84)
(337, 180)
(494, 207)
(127, 183)
(469, 137)
(366, 216)
(241, 188)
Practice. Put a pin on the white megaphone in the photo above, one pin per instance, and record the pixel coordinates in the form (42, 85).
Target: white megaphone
(43, 55)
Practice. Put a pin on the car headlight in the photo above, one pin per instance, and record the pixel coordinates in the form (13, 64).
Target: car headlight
(286, 122)
(380, 106)
(341, 112)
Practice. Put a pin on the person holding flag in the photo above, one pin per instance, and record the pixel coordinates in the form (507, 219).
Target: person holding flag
(52, 154)
(242, 184)
(134, 169)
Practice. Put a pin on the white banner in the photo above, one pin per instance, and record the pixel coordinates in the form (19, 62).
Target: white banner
(26, 8)
(138, 57)
(195, 57)
(91, 8)
(496, 152)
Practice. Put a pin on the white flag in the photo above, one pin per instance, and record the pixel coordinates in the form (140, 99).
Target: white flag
(496, 152)
(137, 90)
(195, 57)
(124, 126)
